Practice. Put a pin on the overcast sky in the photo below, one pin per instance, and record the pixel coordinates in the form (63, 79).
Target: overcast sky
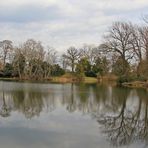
(62, 23)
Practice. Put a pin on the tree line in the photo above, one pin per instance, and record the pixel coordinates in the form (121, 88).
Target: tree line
(123, 52)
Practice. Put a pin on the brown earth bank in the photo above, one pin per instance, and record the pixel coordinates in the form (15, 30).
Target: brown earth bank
(136, 84)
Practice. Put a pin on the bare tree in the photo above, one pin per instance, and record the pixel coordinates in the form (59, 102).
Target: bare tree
(72, 56)
(51, 56)
(19, 62)
(140, 47)
(34, 53)
(5, 49)
(118, 41)
(91, 52)
(64, 62)
(136, 43)
(144, 38)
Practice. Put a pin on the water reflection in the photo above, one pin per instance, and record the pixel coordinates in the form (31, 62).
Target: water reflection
(5, 110)
(129, 122)
(121, 113)
(31, 99)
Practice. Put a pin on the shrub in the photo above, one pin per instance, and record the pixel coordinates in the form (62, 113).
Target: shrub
(90, 74)
(130, 78)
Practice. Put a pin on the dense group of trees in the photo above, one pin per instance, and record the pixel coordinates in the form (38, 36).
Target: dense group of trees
(123, 52)
(87, 61)
(28, 61)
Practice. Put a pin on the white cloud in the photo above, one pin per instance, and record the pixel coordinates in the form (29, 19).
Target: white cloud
(62, 23)
(25, 2)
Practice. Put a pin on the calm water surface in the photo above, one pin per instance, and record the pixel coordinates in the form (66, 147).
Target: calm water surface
(37, 115)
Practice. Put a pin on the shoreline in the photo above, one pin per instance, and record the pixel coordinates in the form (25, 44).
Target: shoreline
(136, 84)
(87, 80)
(54, 80)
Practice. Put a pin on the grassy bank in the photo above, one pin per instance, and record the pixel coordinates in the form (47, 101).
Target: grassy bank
(70, 78)
(67, 78)
(63, 79)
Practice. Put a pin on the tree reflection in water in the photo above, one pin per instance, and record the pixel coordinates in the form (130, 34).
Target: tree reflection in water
(122, 113)
(128, 124)
(5, 110)
(31, 102)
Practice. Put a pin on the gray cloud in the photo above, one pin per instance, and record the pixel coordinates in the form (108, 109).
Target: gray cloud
(29, 13)
(65, 22)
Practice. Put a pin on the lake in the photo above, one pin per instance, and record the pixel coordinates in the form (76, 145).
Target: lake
(43, 115)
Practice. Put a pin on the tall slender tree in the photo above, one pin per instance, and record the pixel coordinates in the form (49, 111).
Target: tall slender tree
(5, 50)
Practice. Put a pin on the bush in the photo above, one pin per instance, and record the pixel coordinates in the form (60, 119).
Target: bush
(122, 79)
(90, 74)
(130, 78)
(56, 70)
(8, 70)
(141, 78)
(1, 74)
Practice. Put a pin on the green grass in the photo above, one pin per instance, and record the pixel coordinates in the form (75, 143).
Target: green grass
(68, 78)
(90, 80)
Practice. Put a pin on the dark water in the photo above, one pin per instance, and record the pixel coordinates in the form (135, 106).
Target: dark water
(35, 115)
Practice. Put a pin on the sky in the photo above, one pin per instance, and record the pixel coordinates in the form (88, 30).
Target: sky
(65, 23)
